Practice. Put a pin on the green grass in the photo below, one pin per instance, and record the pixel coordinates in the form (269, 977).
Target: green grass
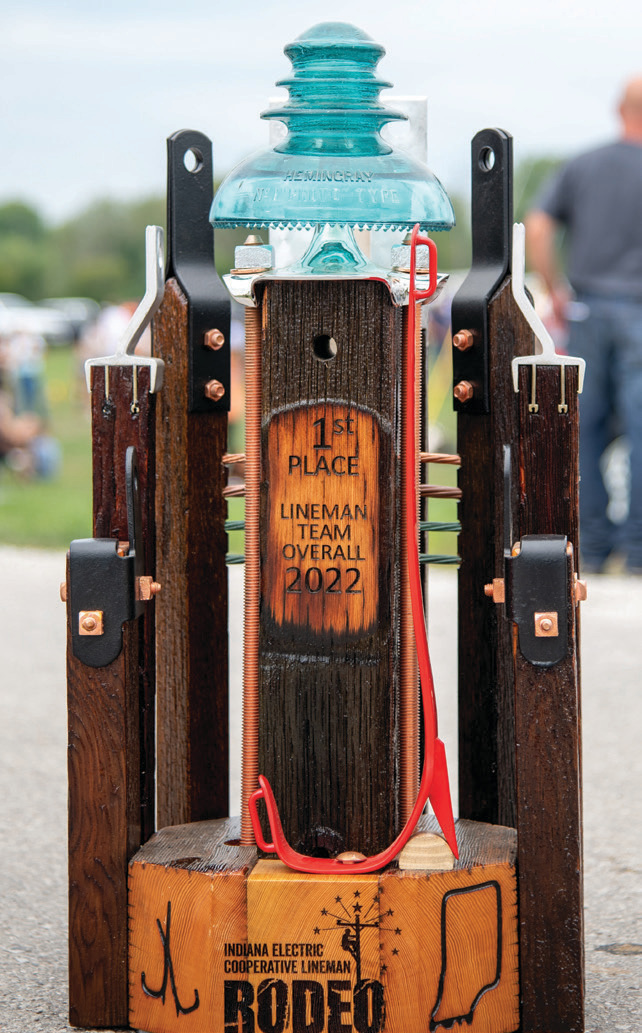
(49, 513)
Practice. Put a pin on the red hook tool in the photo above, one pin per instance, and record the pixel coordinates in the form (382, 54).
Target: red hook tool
(434, 785)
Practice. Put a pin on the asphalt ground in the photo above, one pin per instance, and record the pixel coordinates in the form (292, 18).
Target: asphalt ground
(33, 905)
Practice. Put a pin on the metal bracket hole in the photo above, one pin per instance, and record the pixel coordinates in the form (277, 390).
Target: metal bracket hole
(486, 159)
(193, 160)
(325, 347)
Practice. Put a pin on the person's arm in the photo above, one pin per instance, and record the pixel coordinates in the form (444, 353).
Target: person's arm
(541, 230)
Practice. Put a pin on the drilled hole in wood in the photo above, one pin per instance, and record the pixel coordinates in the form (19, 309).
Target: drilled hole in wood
(325, 347)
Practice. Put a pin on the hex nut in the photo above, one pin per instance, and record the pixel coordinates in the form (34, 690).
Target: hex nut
(214, 390)
(214, 339)
(400, 258)
(463, 391)
(463, 340)
(252, 257)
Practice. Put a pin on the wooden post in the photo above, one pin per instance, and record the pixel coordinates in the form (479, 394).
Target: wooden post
(110, 714)
(191, 624)
(329, 669)
(486, 711)
(547, 730)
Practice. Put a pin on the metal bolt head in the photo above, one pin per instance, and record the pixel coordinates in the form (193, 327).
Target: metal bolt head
(463, 391)
(463, 340)
(90, 622)
(214, 340)
(146, 588)
(214, 390)
(496, 590)
(581, 590)
(63, 591)
(546, 624)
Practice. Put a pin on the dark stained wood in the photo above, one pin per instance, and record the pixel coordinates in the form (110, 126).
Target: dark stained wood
(547, 735)
(191, 616)
(486, 714)
(114, 428)
(111, 726)
(329, 697)
(104, 829)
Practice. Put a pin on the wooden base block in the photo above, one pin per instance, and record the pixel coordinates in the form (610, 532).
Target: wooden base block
(187, 901)
(221, 943)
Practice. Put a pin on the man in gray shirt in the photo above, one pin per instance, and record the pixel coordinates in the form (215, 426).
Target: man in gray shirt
(597, 199)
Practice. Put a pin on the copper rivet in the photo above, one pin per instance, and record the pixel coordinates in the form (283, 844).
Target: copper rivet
(214, 340)
(350, 857)
(495, 590)
(546, 624)
(463, 391)
(63, 591)
(463, 340)
(214, 390)
(146, 587)
(90, 622)
(581, 590)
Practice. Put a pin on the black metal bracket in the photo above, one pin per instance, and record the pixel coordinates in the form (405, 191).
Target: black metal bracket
(102, 583)
(492, 223)
(190, 259)
(538, 598)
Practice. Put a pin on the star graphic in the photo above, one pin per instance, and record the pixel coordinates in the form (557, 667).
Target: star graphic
(356, 907)
(395, 950)
(357, 893)
(390, 912)
(324, 910)
(317, 931)
(384, 968)
(397, 932)
(338, 900)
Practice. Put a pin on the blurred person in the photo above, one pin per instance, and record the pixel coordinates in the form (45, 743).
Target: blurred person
(596, 198)
(23, 359)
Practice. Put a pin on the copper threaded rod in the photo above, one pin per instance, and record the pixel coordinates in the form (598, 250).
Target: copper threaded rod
(230, 458)
(235, 491)
(251, 490)
(439, 491)
(409, 694)
(434, 457)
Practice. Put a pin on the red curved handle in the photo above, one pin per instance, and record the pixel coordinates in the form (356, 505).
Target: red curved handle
(434, 776)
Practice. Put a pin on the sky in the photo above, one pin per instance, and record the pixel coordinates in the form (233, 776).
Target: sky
(90, 92)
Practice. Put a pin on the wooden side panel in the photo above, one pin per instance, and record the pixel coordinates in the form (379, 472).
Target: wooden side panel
(449, 939)
(111, 725)
(125, 416)
(547, 708)
(329, 668)
(191, 616)
(104, 830)
(187, 905)
(486, 714)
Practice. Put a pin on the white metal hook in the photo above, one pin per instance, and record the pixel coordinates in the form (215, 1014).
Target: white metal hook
(545, 354)
(142, 317)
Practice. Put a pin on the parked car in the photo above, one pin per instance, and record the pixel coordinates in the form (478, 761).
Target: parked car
(79, 312)
(16, 313)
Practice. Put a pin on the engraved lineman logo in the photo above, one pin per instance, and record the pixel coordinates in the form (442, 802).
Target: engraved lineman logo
(320, 562)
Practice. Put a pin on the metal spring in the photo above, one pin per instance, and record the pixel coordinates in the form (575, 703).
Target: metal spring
(251, 491)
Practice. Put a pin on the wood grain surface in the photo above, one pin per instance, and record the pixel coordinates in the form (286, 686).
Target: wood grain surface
(187, 903)
(329, 696)
(111, 725)
(449, 939)
(486, 713)
(192, 708)
(548, 750)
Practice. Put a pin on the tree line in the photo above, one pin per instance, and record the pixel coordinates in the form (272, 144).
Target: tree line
(100, 252)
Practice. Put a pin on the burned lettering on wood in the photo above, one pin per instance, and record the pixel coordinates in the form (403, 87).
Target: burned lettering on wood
(329, 669)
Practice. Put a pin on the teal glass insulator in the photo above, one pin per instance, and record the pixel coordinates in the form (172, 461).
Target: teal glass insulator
(333, 168)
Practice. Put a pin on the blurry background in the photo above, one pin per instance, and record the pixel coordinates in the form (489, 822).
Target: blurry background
(88, 98)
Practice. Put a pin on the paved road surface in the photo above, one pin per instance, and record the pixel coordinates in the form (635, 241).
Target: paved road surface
(33, 991)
